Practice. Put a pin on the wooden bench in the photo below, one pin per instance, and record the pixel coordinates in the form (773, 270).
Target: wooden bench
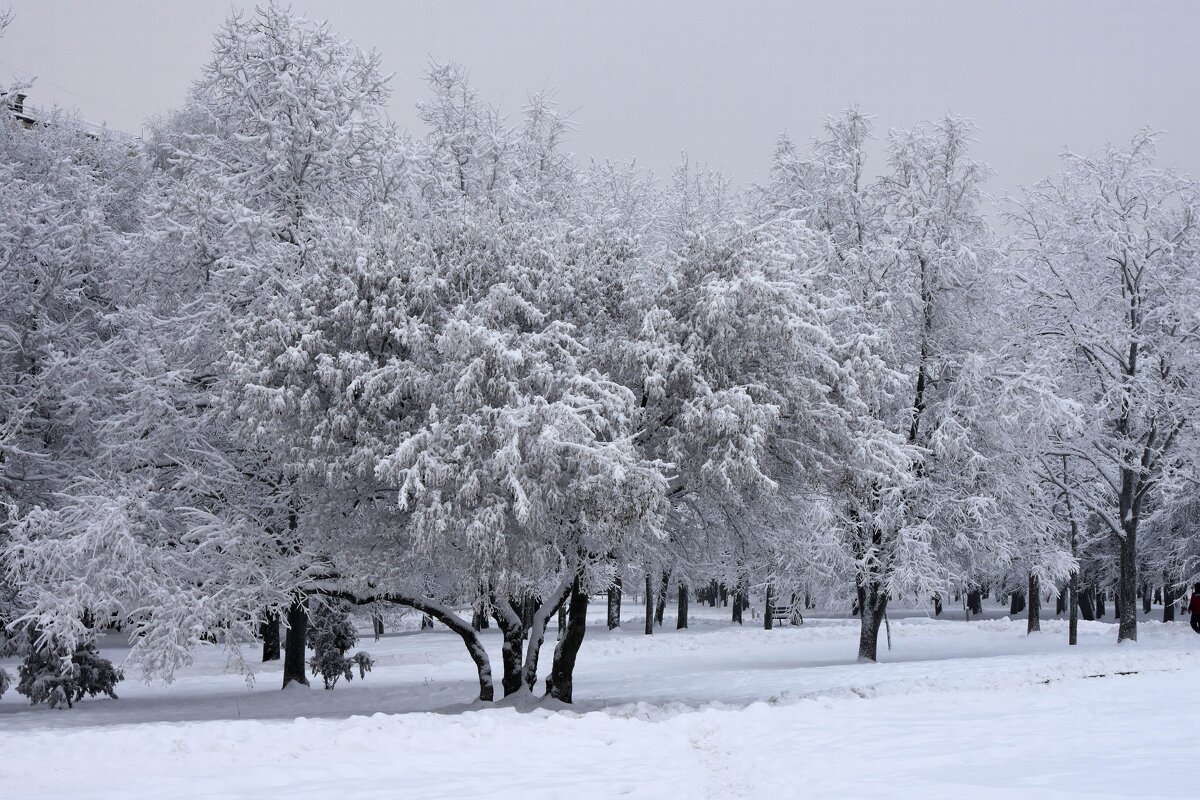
(786, 613)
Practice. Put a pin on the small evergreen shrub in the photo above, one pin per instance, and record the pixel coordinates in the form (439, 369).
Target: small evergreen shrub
(47, 676)
(330, 635)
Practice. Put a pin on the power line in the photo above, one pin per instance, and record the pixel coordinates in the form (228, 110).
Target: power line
(16, 70)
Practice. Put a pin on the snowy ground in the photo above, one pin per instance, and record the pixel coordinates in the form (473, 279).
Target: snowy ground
(955, 709)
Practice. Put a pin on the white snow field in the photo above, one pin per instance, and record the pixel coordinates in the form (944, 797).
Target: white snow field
(956, 709)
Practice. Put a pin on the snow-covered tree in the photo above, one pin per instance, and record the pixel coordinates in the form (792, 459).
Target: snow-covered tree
(912, 250)
(1110, 253)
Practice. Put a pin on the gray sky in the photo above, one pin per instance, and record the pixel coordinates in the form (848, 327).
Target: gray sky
(719, 80)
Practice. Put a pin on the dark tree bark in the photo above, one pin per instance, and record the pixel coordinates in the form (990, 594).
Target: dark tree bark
(293, 648)
(562, 620)
(614, 604)
(270, 637)
(937, 605)
(537, 630)
(660, 606)
(1147, 599)
(768, 621)
(975, 601)
(724, 596)
(1060, 603)
(713, 592)
(1168, 599)
(561, 683)
(872, 603)
(512, 632)
(682, 612)
(1085, 600)
(649, 605)
(738, 604)
(431, 610)
(1016, 602)
(1099, 595)
(377, 624)
(1072, 604)
(1035, 605)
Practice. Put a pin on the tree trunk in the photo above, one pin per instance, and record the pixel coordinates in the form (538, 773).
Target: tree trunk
(512, 631)
(872, 604)
(614, 604)
(1085, 600)
(562, 621)
(975, 601)
(1060, 604)
(1016, 603)
(429, 611)
(1127, 585)
(1035, 605)
(377, 624)
(1099, 595)
(1073, 608)
(270, 637)
(724, 596)
(768, 621)
(937, 605)
(1168, 599)
(649, 605)
(737, 603)
(561, 683)
(1147, 599)
(681, 615)
(293, 648)
(660, 607)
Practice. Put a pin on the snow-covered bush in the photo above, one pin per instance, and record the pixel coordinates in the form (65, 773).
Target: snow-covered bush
(46, 675)
(330, 635)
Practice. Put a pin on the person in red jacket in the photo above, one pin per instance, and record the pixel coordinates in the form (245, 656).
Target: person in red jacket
(1194, 607)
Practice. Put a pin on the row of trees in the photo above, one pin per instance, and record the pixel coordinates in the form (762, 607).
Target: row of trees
(282, 355)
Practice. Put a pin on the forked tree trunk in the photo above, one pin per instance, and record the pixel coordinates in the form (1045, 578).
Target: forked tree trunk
(1035, 605)
(270, 637)
(293, 648)
(682, 612)
(649, 604)
(614, 604)
(561, 683)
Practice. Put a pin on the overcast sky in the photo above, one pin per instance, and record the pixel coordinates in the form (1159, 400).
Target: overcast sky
(719, 80)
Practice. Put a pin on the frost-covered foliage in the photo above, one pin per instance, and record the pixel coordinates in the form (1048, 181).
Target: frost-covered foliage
(284, 355)
(922, 270)
(1110, 253)
(330, 635)
(62, 676)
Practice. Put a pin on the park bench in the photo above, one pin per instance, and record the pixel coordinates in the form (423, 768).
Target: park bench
(786, 613)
